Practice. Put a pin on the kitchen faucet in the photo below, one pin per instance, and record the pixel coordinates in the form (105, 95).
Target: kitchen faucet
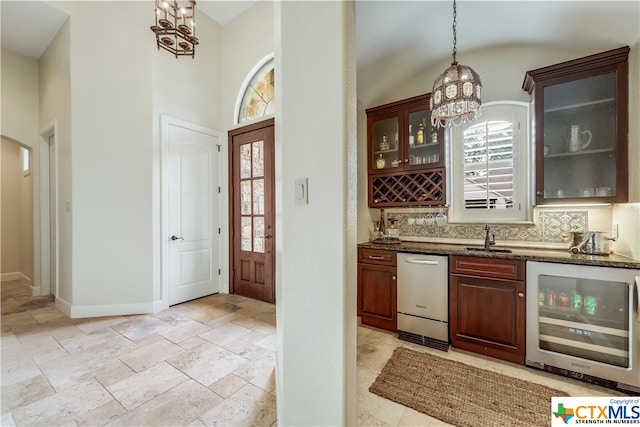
(488, 243)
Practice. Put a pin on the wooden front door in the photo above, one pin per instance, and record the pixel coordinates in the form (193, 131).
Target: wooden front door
(251, 211)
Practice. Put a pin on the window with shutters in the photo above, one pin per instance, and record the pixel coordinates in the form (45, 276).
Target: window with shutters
(490, 166)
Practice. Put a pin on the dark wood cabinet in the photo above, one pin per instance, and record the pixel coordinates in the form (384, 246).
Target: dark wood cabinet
(487, 306)
(377, 288)
(405, 155)
(581, 128)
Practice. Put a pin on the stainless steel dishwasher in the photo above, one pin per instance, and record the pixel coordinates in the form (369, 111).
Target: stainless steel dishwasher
(423, 299)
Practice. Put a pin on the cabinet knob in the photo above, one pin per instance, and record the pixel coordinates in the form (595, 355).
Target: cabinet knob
(406, 160)
(521, 294)
(538, 193)
(393, 277)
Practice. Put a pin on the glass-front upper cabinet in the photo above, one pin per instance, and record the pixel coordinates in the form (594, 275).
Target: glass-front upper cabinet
(581, 124)
(425, 140)
(401, 137)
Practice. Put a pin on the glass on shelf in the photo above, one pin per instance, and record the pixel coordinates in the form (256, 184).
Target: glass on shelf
(385, 153)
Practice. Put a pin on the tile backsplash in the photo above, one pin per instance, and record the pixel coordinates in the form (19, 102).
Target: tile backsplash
(551, 228)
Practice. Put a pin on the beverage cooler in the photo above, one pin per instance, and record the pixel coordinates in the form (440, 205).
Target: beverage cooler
(584, 322)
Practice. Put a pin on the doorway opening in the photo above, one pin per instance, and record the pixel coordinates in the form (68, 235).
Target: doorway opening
(48, 214)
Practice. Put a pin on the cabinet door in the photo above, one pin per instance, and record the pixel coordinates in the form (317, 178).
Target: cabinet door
(488, 316)
(424, 147)
(384, 143)
(377, 298)
(581, 128)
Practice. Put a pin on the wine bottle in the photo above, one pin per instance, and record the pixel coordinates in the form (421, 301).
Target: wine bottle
(420, 135)
(411, 137)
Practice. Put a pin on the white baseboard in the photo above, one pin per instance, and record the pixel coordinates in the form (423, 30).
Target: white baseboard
(77, 311)
(35, 291)
(63, 306)
(16, 275)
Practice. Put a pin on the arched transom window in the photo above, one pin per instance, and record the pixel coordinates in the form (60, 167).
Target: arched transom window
(257, 99)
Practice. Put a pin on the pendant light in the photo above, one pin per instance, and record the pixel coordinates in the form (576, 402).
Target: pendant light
(455, 98)
(175, 26)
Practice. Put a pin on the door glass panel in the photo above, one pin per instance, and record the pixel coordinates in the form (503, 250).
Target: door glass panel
(385, 144)
(258, 196)
(258, 159)
(245, 233)
(245, 161)
(585, 318)
(580, 138)
(258, 234)
(245, 197)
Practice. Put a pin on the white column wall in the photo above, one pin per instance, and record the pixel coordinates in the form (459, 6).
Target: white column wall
(315, 139)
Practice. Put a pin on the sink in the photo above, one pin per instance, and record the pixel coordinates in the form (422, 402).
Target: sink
(506, 251)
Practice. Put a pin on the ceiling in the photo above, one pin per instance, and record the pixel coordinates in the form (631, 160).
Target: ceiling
(416, 34)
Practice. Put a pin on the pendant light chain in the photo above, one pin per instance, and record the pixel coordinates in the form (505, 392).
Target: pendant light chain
(455, 97)
(455, 51)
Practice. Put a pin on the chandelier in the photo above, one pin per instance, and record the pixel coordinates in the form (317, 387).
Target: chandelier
(175, 27)
(455, 98)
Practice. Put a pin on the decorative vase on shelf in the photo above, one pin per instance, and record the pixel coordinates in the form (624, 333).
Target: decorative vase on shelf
(384, 144)
(420, 135)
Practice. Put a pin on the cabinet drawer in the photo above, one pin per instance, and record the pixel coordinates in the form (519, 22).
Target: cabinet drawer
(488, 267)
(378, 257)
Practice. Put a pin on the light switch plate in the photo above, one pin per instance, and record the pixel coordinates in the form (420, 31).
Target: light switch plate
(302, 191)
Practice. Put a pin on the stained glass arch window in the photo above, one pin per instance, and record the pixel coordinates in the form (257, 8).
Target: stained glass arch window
(256, 98)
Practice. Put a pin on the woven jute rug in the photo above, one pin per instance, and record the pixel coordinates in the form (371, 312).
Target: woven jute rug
(460, 394)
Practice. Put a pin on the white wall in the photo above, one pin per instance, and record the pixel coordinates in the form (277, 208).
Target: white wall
(189, 89)
(119, 85)
(246, 40)
(315, 294)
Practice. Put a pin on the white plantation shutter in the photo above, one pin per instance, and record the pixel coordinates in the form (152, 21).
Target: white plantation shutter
(490, 166)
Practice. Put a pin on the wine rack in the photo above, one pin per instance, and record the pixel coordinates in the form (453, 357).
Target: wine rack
(408, 189)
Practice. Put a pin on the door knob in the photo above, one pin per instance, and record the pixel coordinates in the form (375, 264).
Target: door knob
(174, 237)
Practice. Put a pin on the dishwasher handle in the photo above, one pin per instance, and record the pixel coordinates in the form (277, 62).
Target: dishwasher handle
(421, 261)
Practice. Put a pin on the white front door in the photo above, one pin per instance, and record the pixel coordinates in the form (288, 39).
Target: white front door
(193, 208)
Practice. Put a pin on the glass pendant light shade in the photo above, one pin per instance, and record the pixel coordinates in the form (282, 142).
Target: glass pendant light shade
(455, 97)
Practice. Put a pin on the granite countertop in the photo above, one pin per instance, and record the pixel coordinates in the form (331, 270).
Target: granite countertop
(520, 254)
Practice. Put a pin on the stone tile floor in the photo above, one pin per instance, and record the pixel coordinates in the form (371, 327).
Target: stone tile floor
(205, 362)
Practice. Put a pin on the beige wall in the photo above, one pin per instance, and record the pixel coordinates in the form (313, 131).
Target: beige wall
(17, 213)
(19, 120)
(20, 124)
